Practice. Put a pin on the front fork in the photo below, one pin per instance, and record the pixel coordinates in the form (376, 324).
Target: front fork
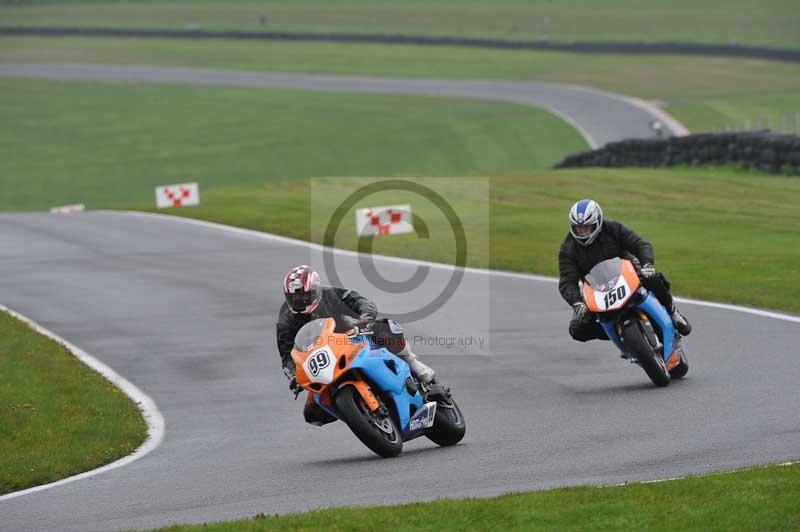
(647, 312)
(613, 329)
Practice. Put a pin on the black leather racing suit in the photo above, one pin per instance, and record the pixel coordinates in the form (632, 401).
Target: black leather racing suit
(335, 303)
(575, 261)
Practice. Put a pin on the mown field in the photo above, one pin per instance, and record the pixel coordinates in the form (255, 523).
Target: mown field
(108, 145)
(770, 22)
(704, 92)
(57, 417)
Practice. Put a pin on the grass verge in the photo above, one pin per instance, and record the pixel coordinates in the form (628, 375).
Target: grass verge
(758, 499)
(57, 417)
(719, 234)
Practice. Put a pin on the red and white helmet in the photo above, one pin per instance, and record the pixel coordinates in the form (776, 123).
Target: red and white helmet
(302, 289)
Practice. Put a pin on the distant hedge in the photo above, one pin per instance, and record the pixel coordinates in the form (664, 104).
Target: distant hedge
(602, 47)
(761, 150)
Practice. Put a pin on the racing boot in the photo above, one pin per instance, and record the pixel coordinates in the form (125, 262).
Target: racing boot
(679, 320)
(422, 372)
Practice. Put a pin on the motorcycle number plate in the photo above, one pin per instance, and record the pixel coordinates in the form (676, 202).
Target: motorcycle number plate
(319, 366)
(614, 298)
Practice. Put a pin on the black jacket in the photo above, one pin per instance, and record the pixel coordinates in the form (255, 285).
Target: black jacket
(575, 260)
(335, 303)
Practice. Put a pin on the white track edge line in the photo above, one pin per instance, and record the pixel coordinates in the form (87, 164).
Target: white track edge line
(485, 271)
(149, 409)
(593, 144)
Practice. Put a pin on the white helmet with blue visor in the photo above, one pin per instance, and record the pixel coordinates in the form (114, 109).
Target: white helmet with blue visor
(585, 221)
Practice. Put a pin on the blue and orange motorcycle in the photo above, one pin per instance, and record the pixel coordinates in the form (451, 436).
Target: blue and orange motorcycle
(634, 320)
(372, 390)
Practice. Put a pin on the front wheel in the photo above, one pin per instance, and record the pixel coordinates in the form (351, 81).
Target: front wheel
(635, 341)
(449, 425)
(376, 431)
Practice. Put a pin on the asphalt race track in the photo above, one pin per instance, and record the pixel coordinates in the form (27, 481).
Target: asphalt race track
(186, 312)
(599, 116)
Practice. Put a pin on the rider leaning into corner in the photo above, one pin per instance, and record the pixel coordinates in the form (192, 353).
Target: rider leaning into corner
(307, 300)
(592, 240)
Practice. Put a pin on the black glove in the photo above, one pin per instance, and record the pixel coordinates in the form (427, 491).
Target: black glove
(647, 271)
(365, 323)
(580, 310)
(293, 386)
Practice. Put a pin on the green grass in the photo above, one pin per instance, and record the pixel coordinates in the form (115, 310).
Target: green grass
(694, 84)
(770, 22)
(719, 234)
(57, 417)
(757, 499)
(778, 112)
(107, 144)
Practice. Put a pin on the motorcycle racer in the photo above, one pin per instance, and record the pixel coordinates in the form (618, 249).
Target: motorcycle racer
(591, 240)
(306, 300)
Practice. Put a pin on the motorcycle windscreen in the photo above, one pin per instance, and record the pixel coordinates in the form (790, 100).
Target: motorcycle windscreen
(609, 285)
(604, 274)
(309, 335)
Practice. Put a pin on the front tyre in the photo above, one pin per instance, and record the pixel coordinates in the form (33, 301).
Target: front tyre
(633, 337)
(376, 431)
(449, 425)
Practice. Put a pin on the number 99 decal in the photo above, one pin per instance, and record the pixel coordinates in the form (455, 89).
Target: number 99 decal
(317, 362)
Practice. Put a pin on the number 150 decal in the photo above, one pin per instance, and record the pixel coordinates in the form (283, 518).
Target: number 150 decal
(615, 295)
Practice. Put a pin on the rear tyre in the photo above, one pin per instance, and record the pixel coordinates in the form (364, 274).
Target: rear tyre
(680, 371)
(449, 425)
(635, 341)
(375, 430)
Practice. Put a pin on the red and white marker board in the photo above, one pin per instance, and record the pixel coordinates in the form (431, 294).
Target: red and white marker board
(386, 220)
(68, 209)
(180, 195)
